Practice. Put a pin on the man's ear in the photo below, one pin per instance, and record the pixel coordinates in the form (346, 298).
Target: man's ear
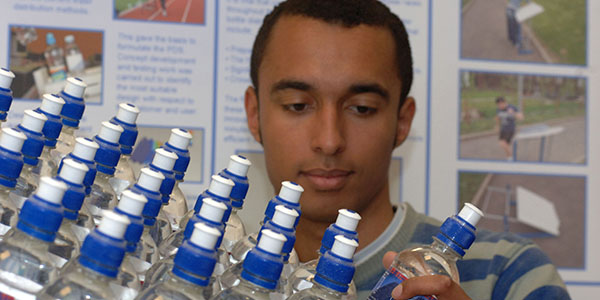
(406, 113)
(251, 105)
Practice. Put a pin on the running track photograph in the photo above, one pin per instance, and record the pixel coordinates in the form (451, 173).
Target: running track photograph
(179, 11)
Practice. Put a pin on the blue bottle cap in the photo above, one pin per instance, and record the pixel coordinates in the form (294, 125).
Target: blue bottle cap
(335, 268)
(51, 107)
(72, 174)
(6, 95)
(211, 213)
(126, 117)
(283, 222)
(46, 202)
(131, 206)
(345, 224)
(196, 258)
(237, 171)
(263, 264)
(163, 162)
(11, 159)
(289, 196)
(458, 231)
(104, 248)
(84, 152)
(74, 106)
(219, 189)
(148, 184)
(107, 156)
(31, 126)
(179, 140)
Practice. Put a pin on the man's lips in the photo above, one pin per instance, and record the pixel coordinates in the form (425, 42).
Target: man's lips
(324, 180)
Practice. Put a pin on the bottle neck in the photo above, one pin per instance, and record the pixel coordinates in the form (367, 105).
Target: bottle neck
(444, 249)
(256, 289)
(326, 293)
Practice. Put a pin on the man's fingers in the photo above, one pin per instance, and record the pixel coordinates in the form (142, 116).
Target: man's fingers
(388, 258)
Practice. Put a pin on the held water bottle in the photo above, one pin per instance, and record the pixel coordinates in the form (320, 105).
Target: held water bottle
(289, 196)
(92, 275)
(163, 162)
(345, 225)
(126, 117)
(51, 107)
(131, 206)
(261, 270)
(11, 161)
(237, 171)
(219, 189)
(283, 222)
(25, 264)
(73, 56)
(102, 195)
(456, 235)
(55, 59)
(334, 272)
(178, 142)
(31, 126)
(193, 266)
(6, 94)
(71, 114)
(210, 214)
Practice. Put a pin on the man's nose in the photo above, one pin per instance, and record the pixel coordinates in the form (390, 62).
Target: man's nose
(328, 137)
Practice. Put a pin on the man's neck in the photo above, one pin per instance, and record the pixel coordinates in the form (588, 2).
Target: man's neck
(375, 219)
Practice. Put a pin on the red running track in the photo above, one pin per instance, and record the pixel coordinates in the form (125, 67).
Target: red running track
(181, 11)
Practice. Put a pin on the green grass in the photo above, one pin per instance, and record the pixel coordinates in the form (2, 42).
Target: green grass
(468, 185)
(561, 28)
(121, 5)
(535, 110)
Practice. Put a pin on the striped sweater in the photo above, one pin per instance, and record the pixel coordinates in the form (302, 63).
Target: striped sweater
(497, 266)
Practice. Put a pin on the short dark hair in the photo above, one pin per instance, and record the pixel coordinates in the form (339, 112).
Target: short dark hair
(500, 99)
(346, 13)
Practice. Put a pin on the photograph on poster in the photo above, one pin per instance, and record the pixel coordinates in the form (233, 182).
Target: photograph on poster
(541, 31)
(150, 138)
(548, 209)
(522, 117)
(43, 57)
(173, 11)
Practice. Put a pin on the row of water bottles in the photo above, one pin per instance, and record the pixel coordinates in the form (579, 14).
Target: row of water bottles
(76, 223)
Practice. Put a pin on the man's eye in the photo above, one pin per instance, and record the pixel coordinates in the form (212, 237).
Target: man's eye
(363, 110)
(296, 107)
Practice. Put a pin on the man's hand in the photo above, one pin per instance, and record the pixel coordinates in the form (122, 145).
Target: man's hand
(439, 285)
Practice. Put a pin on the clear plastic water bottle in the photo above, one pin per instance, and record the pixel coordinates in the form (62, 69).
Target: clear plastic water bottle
(163, 162)
(456, 235)
(237, 171)
(261, 269)
(26, 265)
(55, 59)
(334, 272)
(289, 196)
(283, 222)
(73, 56)
(345, 225)
(84, 152)
(126, 117)
(102, 195)
(71, 114)
(31, 126)
(210, 214)
(6, 94)
(51, 107)
(69, 237)
(146, 252)
(178, 142)
(11, 160)
(219, 189)
(92, 274)
(131, 206)
(193, 266)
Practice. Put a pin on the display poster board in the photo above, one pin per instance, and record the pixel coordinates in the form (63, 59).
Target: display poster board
(187, 65)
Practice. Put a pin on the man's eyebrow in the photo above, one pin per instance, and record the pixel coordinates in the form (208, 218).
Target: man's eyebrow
(291, 84)
(369, 88)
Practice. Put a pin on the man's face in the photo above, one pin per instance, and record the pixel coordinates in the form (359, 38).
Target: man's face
(501, 104)
(327, 113)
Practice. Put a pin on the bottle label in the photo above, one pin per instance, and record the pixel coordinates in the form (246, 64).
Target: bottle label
(390, 279)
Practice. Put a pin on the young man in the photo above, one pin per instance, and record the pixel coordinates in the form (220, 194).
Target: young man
(506, 124)
(329, 103)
